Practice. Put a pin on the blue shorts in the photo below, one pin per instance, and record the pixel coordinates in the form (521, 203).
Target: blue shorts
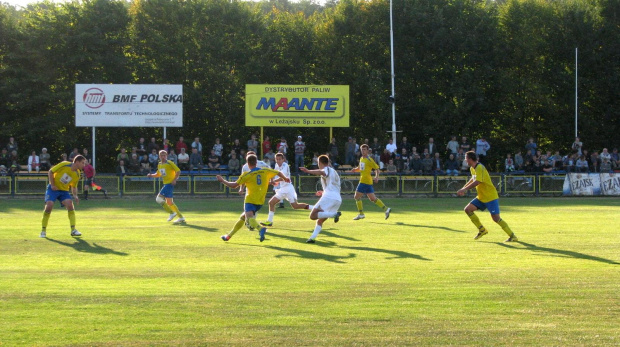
(365, 188)
(251, 207)
(492, 205)
(60, 195)
(167, 191)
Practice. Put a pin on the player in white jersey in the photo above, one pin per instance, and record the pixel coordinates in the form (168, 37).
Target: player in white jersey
(329, 203)
(283, 191)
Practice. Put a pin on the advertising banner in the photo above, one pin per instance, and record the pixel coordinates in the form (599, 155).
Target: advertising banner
(128, 105)
(296, 105)
(592, 184)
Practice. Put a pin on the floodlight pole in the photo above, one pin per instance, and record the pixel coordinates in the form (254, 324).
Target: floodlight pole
(576, 95)
(393, 96)
(94, 148)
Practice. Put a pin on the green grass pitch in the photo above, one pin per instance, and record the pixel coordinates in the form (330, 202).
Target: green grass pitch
(418, 278)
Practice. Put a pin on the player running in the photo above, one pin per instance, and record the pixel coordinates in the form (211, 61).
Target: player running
(62, 177)
(283, 191)
(365, 167)
(487, 197)
(330, 201)
(256, 182)
(170, 174)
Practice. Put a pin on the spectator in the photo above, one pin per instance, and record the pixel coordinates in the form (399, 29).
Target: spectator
(546, 164)
(453, 146)
(282, 147)
(585, 154)
(12, 145)
(391, 168)
(73, 154)
(34, 162)
(315, 162)
(180, 144)
(183, 160)
(385, 158)
(45, 160)
(121, 170)
(253, 144)
(377, 149)
(357, 152)
(300, 148)
(141, 148)
(134, 164)
(172, 156)
(213, 160)
(14, 159)
(482, 147)
(271, 157)
(196, 144)
(234, 166)
(509, 164)
(465, 146)
(349, 152)
(266, 145)
(464, 166)
(236, 147)
(577, 146)
(332, 151)
(437, 164)
(451, 165)
(401, 160)
(195, 160)
(63, 157)
(404, 144)
(518, 161)
(167, 146)
(219, 148)
(415, 165)
(391, 147)
(85, 154)
(557, 161)
(145, 165)
(5, 158)
(605, 155)
(123, 155)
(153, 159)
(432, 147)
(582, 164)
(615, 157)
(569, 162)
(152, 146)
(596, 162)
(606, 166)
(530, 148)
(427, 164)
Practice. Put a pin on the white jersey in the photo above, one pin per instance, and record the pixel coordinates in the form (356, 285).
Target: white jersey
(259, 164)
(286, 170)
(331, 184)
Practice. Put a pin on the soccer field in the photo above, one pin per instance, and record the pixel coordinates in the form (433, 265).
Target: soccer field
(417, 278)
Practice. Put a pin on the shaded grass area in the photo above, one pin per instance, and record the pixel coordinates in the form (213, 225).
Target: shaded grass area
(417, 278)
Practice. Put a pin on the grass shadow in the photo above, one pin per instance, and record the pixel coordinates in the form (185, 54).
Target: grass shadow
(298, 253)
(429, 226)
(395, 254)
(82, 246)
(560, 252)
(197, 227)
(324, 232)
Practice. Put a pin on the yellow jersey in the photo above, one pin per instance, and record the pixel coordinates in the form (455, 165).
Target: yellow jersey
(64, 177)
(366, 166)
(486, 190)
(167, 171)
(256, 184)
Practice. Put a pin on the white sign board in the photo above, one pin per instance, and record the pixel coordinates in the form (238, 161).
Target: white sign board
(128, 105)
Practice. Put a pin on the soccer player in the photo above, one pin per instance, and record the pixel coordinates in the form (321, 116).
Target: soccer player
(169, 173)
(246, 168)
(256, 182)
(89, 172)
(62, 177)
(284, 191)
(329, 203)
(365, 167)
(487, 197)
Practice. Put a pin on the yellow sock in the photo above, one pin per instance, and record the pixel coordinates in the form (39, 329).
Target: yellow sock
(359, 206)
(72, 219)
(505, 227)
(380, 203)
(237, 226)
(475, 220)
(175, 208)
(46, 219)
(166, 207)
(254, 224)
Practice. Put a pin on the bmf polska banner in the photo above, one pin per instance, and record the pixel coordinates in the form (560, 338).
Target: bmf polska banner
(128, 105)
(296, 105)
(592, 184)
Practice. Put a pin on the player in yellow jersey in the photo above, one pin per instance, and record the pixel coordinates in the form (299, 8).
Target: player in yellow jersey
(365, 167)
(487, 197)
(169, 173)
(62, 177)
(256, 183)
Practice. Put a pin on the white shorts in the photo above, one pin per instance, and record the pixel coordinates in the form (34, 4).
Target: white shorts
(328, 204)
(287, 192)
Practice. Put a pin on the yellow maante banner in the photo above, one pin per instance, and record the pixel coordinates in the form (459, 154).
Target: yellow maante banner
(296, 105)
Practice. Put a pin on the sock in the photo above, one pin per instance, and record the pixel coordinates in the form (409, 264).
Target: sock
(380, 203)
(72, 219)
(317, 230)
(359, 205)
(175, 208)
(86, 194)
(505, 227)
(310, 207)
(46, 219)
(237, 226)
(270, 217)
(326, 215)
(476, 221)
(254, 224)
(166, 207)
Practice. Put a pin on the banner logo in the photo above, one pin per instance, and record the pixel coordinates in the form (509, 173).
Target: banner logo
(93, 98)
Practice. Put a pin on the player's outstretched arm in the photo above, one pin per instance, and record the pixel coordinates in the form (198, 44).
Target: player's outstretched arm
(317, 172)
(227, 183)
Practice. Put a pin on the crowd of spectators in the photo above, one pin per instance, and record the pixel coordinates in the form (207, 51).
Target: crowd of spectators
(428, 158)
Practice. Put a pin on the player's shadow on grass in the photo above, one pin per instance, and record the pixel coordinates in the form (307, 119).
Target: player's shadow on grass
(395, 254)
(559, 252)
(298, 253)
(82, 246)
(197, 227)
(326, 233)
(428, 226)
